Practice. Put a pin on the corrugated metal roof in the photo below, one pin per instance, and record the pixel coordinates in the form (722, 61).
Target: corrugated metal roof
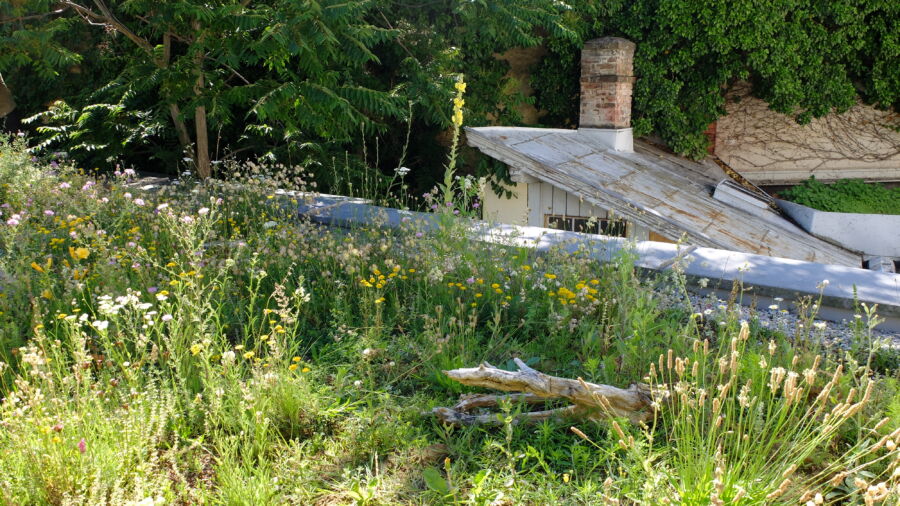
(666, 193)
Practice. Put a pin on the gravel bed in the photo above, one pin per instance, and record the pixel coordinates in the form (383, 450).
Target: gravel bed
(779, 317)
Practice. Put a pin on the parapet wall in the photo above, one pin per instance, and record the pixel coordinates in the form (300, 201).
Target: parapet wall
(769, 277)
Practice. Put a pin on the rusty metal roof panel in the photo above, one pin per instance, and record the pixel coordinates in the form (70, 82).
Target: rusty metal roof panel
(666, 193)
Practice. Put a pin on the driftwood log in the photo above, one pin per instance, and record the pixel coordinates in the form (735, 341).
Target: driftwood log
(589, 400)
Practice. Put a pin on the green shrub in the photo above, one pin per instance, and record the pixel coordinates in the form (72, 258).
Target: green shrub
(846, 196)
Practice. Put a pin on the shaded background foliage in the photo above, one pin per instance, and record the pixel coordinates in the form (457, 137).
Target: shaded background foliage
(328, 83)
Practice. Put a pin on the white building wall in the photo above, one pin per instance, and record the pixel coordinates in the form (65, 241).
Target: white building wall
(497, 209)
(533, 202)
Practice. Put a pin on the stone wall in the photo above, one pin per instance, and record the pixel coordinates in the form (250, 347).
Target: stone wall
(771, 148)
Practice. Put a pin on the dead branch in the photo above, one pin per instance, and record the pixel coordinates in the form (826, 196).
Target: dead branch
(589, 400)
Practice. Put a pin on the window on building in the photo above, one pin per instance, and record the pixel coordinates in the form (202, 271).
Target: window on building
(614, 228)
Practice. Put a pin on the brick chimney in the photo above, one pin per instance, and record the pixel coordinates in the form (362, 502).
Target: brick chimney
(606, 83)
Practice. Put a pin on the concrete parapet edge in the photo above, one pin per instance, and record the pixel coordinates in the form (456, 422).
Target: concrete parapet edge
(769, 277)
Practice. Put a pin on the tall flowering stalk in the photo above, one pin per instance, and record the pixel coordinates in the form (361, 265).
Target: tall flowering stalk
(458, 103)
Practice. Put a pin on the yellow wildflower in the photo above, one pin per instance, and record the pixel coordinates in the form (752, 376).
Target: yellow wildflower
(35, 266)
(249, 355)
(292, 367)
(457, 117)
(78, 253)
(305, 369)
(550, 276)
(195, 348)
(461, 87)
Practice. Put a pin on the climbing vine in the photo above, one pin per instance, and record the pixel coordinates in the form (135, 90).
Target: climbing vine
(805, 58)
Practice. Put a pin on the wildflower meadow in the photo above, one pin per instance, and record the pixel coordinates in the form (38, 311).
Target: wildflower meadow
(198, 343)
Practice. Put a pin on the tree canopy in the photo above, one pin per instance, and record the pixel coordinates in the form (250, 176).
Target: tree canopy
(152, 82)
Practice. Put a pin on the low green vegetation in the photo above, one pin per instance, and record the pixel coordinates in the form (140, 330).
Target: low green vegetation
(199, 344)
(846, 196)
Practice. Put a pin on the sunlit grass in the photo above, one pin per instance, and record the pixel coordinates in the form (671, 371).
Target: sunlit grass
(201, 344)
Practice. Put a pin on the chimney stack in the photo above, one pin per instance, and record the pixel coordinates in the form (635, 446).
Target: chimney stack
(606, 83)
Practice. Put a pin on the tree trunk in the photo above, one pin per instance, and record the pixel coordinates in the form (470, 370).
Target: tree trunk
(204, 168)
(7, 104)
(184, 138)
(203, 165)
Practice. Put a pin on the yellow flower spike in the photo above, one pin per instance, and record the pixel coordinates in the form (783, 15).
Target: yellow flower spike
(457, 118)
(35, 266)
(460, 86)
